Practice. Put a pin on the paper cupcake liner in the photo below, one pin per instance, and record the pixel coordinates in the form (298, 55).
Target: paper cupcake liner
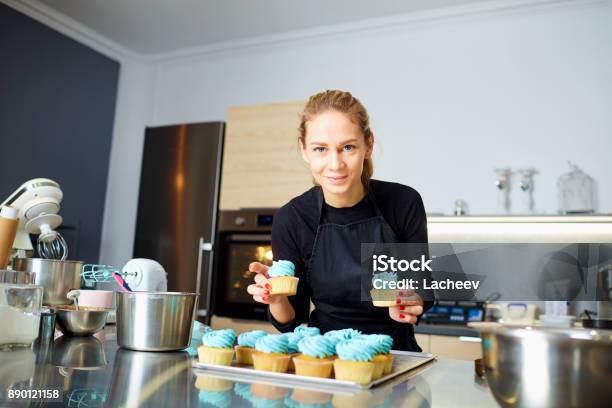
(384, 297)
(388, 363)
(313, 367)
(214, 355)
(379, 360)
(283, 285)
(244, 355)
(357, 371)
(275, 362)
(291, 367)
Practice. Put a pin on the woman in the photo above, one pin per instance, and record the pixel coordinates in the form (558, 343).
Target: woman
(321, 231)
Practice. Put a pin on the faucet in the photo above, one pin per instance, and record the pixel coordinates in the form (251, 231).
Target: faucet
(503, 184)
(527, 185)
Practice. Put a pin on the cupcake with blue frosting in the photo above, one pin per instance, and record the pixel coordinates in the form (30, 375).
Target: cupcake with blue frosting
(354, 362)
(342, 335)
(217, 347)
(316, 358)
(307, 331)
(272, 353)
(382, 344)
(282, 278)
(246, 345)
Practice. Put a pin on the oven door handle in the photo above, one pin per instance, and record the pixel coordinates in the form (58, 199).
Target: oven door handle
(204, 247)
(248, 237)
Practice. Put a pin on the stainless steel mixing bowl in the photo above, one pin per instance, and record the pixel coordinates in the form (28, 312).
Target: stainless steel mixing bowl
(547, 367)
(155, 321)
(81, 322)
(57, 277)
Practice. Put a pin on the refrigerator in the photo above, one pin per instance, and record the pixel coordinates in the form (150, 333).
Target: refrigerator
(178, 205)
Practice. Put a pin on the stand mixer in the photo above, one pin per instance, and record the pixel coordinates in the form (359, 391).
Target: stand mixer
(38, 202)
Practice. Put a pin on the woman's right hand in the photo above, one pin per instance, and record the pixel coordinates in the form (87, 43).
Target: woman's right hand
(260, 290)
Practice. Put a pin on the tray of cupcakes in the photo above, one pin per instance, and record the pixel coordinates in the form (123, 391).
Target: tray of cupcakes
(338, 359)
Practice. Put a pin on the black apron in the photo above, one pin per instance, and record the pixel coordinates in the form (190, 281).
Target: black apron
(334, 274)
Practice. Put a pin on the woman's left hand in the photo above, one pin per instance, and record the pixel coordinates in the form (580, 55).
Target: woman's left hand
(408, 307)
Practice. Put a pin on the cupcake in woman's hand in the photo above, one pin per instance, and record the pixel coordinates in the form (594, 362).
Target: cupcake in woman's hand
(382, 344)
(217, 347)
(307, 331)
(282, 278)
(246, 345)
(316, 358)
(384, 297)
(354, 362)
(271, 353)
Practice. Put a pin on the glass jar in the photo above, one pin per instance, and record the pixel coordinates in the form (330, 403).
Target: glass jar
(576, 192)
(20, 307)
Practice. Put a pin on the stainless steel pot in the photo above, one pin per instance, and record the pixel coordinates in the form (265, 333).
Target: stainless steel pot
(546, 367)
(155, 321)
(57, 277)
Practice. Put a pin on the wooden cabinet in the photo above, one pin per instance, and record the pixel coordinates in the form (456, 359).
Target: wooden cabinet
(423, 341)
(262, 164)
(460, 348)
(240, 326)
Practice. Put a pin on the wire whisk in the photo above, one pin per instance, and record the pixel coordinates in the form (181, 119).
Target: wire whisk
(56, 249)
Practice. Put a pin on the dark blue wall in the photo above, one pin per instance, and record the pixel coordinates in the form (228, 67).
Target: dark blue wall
(57, 105)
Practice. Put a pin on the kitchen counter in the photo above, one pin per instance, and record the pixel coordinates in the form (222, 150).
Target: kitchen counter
(94, 372)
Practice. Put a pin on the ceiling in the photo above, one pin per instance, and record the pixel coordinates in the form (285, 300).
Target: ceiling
(154, 27)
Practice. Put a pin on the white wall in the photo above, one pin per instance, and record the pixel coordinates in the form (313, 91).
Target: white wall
(450, 98)
(132, 114)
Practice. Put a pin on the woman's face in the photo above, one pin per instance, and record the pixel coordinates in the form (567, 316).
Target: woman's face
(335, 149)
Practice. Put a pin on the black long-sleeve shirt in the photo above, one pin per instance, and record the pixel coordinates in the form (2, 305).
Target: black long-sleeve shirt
(295, 227)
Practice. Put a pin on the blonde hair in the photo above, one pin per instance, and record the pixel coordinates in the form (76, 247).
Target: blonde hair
(346, 103)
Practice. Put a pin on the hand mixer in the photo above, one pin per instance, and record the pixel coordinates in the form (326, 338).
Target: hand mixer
(38, 202)
(106, 273)
(137, 275)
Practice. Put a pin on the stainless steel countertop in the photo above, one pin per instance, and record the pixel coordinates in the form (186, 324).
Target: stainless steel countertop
(93, 372)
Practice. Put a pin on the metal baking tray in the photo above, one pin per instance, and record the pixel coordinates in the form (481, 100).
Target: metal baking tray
(403, 362)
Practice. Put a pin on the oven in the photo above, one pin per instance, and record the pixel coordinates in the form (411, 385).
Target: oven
(244, 236)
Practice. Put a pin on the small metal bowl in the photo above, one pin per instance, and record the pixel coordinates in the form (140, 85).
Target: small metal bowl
(81, 322)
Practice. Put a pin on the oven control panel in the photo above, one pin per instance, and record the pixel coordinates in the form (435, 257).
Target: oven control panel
(249, 220)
